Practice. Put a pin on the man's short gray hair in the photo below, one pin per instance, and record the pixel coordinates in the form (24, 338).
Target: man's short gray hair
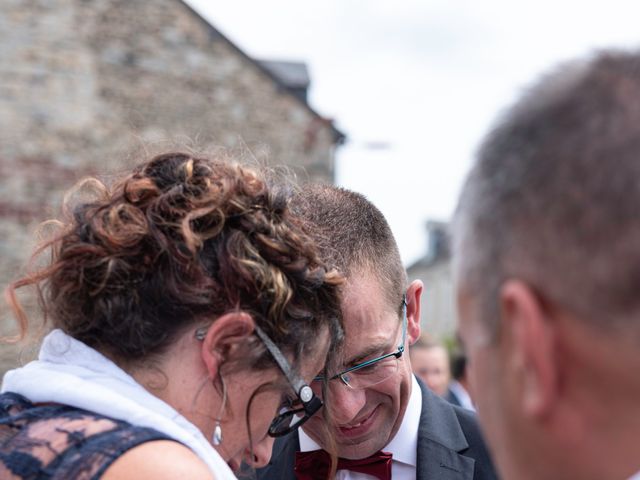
(554, 196)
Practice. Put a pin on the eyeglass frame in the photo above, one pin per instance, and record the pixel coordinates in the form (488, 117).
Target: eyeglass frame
(398, 353)
(309, 400)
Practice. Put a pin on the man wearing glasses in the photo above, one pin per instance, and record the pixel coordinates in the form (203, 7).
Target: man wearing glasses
(378, 418)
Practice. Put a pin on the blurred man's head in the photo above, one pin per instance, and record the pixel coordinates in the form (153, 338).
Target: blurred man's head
(380, 314)
(459, 370)
(547, 261)
(430, 363)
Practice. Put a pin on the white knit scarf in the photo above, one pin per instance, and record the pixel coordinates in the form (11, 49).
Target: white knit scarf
(71, 373)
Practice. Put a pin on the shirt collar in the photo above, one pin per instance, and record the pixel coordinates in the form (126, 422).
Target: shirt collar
(306, 443)
(404, 445)
(462, 394)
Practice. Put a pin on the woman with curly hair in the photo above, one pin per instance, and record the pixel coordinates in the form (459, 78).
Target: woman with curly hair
(189, 312)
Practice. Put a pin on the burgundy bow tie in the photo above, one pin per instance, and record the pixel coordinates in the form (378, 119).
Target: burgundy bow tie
(315, 465)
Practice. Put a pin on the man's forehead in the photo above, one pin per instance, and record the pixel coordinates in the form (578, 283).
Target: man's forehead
(368, 319)
(437, 352)
(364, 297)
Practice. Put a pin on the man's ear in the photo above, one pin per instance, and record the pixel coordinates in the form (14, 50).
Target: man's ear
(414, 292)
(530, 343)
(223, 337)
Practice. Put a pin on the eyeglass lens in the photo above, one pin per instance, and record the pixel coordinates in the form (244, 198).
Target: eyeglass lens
(371, 374)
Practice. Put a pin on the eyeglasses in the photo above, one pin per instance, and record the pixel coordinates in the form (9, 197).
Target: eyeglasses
(376, 370)
(291, 416)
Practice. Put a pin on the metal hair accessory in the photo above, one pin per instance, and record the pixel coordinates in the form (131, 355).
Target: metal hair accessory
(201, 333)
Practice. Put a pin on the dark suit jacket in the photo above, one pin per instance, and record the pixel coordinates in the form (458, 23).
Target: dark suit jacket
(450, 446)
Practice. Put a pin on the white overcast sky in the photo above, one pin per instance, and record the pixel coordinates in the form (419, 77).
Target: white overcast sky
(421, 78)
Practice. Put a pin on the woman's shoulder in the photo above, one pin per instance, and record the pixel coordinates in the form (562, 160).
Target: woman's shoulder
(159, 460)
(62, 441)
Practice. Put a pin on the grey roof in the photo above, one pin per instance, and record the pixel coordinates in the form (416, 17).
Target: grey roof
(438, 245)
(292, 74)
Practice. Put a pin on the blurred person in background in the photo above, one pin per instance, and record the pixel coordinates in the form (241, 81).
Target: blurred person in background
(189, 313)
(547, 265)
(380, 419)
(430, 363)
(459, 391)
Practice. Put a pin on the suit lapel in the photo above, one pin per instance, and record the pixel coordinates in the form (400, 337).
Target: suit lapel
(440, 439)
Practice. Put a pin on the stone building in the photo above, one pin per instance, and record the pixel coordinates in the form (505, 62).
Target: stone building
(85, 83)
(438, 312)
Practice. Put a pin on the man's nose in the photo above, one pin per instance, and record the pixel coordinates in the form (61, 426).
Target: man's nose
(345, 402)
(261, 453)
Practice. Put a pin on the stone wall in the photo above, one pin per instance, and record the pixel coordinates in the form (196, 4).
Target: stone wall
(89, 86)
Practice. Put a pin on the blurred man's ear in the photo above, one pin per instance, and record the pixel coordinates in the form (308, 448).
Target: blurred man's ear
(529, 343)
(414, 293)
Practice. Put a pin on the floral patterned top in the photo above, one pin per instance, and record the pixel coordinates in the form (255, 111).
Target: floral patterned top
(52, 441)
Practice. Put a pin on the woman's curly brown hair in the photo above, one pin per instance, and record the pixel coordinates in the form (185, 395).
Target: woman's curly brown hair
(181, 240)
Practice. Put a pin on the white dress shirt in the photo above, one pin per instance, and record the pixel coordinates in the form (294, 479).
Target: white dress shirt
(463, 396)
(403, 446)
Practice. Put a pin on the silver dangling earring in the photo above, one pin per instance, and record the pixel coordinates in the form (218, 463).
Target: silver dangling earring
(216, 438)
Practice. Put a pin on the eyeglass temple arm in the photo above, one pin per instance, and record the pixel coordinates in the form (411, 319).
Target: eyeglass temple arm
(282, 362)
(404, 326)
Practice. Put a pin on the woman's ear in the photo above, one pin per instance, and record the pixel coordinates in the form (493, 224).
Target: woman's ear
(224, 335)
